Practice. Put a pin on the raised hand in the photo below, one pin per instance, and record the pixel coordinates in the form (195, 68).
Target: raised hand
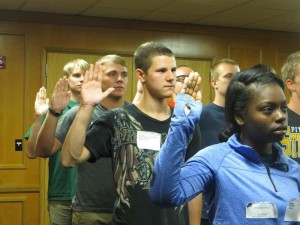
(41, 103)
(191, 86)
(61, 95)
(91, 91)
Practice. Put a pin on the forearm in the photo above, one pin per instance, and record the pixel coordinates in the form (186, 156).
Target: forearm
(166, 189)
(36, 126)
(72, 151)
(46, 137)
(195, 210)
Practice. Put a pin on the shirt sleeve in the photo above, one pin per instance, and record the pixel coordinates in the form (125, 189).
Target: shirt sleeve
(195, 144)
(172, 184)
(98, 137)
(64, 124)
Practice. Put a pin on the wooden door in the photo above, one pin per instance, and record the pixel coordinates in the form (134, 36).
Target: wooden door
(19, 176)
(202, 66)
(55, 62)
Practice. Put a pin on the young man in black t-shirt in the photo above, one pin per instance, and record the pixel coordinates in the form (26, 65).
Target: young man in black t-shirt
(132, 136)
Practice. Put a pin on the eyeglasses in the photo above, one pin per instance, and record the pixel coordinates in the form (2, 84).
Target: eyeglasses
(180, 78)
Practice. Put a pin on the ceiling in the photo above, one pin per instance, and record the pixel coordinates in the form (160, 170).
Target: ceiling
(275, 15)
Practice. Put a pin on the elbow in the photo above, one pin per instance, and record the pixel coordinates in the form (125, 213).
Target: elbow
(67, 163)
(161, 199)
(31, 156)
(42, 154)
(42, 151)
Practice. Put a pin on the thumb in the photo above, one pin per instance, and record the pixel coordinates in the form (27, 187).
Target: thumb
(108, 91)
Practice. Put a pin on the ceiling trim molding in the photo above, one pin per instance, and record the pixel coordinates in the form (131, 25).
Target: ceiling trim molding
(61, 19)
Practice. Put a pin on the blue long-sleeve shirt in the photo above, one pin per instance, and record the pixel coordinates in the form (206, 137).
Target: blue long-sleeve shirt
(230, 175)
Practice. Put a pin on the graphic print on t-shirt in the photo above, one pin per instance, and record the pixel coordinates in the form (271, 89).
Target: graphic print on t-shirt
(132, 166)
(291, 143)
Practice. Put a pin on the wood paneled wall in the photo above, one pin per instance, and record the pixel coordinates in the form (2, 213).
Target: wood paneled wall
(45, 32)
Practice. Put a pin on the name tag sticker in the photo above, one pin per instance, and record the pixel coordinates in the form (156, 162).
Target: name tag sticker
(292, 212)
(261, 210)
(148, 140)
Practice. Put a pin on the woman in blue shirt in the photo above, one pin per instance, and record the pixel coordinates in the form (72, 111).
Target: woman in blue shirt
(246, 180)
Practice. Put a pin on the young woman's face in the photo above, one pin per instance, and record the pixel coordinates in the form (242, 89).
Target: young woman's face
(265, 120)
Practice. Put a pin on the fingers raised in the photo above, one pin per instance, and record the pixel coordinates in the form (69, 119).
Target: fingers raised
(191, 86)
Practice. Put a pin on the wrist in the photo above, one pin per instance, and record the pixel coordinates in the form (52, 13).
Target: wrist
(54, 113)
(38, 117)
(88, 106)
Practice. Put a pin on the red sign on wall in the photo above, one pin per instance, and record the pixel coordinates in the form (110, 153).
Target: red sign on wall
(2, 62)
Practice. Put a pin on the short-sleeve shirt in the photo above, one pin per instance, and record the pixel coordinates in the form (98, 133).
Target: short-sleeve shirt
(121, 134)
(291, 140)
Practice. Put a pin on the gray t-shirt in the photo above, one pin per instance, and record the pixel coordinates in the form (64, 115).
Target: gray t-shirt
(95, 191)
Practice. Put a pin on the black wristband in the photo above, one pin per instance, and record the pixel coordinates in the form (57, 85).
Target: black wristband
(53, 113)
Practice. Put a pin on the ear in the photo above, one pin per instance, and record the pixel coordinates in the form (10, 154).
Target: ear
(239, 119)
(289, 84)
(213, 83)
(140, 75)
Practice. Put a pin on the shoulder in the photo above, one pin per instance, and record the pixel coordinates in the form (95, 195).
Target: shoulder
(215, 152)
(109, 116)
(215, 156)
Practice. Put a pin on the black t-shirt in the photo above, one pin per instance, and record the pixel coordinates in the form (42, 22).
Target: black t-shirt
(131, 138)
(291, 141)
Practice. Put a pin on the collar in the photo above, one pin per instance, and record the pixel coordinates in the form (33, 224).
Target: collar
(278, 161)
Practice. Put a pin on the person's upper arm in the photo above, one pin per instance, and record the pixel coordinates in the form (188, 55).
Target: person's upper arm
(98, 139)
(65, 123)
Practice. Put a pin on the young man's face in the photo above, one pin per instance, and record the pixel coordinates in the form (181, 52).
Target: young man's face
(160, 77)
(76, 79)
(226, 72)
(115, 75)
(294, 86)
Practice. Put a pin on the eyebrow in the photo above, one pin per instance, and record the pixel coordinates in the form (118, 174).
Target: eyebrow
(181, 75)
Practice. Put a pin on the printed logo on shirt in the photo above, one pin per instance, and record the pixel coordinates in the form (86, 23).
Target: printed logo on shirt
(291, 142)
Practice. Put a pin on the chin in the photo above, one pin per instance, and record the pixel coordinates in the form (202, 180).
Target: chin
(278, 138)
(117, 95)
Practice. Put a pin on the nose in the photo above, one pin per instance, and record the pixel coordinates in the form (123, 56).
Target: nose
(81, 77)
(120, 78)
(281, 116)
(171, 75)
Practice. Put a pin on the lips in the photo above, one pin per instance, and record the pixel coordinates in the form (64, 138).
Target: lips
(281, 128)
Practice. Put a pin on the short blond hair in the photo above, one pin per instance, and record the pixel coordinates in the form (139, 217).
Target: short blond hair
(79, 63)
(112, 58)
(214, 73)
(288, 69)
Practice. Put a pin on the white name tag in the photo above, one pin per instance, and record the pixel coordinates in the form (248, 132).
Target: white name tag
(292, 212)
(148, 140)
(261, 210)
